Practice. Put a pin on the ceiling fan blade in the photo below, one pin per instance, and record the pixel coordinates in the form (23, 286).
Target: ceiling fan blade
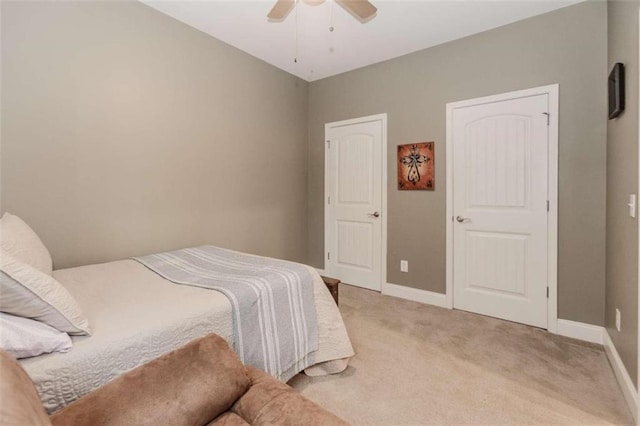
(281, 9)
(361, 9)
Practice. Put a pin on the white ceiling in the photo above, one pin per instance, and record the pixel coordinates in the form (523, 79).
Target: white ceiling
(400, 27)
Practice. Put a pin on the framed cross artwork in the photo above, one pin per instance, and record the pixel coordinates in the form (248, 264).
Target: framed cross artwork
(416, 166)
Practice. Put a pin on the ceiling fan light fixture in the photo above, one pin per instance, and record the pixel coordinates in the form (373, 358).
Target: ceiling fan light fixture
(362, 10)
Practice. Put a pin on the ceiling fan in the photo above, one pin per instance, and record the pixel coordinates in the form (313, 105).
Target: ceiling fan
(362, 10)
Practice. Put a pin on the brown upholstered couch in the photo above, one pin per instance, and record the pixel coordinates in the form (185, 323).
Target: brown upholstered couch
(201, 383)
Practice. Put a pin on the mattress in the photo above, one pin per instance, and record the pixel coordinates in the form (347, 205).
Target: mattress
(136, 316)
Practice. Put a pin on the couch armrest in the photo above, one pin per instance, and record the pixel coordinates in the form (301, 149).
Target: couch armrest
(188, 386)
(269, 401)
(19, 401)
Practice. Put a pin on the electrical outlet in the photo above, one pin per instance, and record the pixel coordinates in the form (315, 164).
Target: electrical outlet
(618, 319)
(404, 266)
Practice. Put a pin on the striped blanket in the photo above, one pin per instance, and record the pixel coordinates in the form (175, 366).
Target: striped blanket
(274, 314)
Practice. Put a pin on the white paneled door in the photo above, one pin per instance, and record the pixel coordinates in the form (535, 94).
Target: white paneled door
(500, 208)
(354, 201)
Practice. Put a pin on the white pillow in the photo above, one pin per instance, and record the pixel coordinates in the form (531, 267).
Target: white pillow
(29, 293)
(19, 240)
(23, 337)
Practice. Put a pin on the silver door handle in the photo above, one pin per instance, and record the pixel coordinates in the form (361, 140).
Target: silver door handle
(374, 214)
(462, 219)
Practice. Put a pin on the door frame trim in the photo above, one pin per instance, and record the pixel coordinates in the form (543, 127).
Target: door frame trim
(552, 191)
(383, 255)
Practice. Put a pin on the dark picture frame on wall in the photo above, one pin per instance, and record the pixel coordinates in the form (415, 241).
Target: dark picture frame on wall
(616, 90)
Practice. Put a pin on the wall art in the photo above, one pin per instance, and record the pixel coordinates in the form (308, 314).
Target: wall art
(416, 166)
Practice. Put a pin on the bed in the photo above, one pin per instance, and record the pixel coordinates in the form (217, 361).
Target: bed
(136, 315)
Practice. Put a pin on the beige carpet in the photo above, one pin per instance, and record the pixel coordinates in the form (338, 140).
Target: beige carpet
(419, 364)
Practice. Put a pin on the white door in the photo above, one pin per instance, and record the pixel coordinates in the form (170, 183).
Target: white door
(500, 207)
(354, 201)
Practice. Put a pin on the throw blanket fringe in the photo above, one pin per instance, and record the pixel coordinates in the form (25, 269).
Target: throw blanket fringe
(274, 315)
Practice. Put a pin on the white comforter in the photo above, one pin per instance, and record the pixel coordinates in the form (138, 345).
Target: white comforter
(137, 315)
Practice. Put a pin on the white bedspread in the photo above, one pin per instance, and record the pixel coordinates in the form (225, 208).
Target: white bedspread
(137, 315)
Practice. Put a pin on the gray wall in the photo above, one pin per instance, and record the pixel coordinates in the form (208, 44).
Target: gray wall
(127, 132)
(622, 180)
(568, 47)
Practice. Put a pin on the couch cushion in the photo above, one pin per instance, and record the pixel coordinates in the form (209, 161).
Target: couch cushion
(270, 402)
(189, 386)
(20, 401)
(228, 419)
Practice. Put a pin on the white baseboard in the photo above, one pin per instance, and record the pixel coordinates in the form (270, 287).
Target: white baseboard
(422, 296)
(624, 380)
(581, 331)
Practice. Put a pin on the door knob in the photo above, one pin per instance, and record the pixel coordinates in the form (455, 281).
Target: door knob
(462, 219)
(374, 214)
